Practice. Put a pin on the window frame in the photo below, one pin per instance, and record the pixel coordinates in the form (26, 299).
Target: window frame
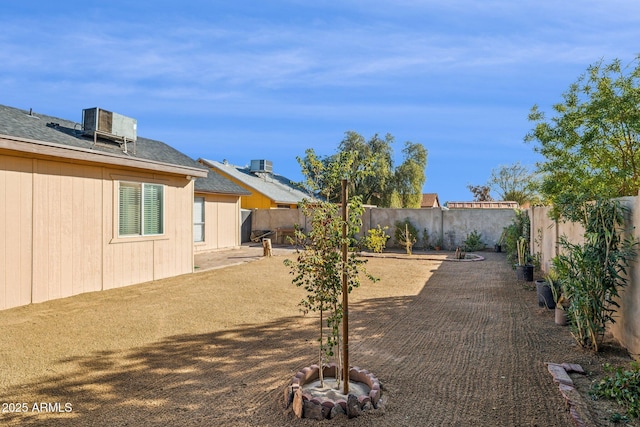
(203, 221)
(145, 198)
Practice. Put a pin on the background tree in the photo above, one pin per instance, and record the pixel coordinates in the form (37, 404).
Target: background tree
(591, 146)
(323, 175)
(368, 165)
(514, 183)
(409, 176)
(372, 167)
(481, 193)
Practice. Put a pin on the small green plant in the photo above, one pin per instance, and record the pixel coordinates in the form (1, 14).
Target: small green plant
(623, 386)
(556, 289)
(522, 251)
(519, 227)
(473, 242)
(438, 243)
(406, 235)
(376, 239)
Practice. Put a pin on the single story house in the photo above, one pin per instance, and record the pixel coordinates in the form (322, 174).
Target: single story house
(89, 206)
(216, 213)
(430, 200)
(268, 190)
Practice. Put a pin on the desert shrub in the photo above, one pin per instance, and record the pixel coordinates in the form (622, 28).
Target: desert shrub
(473, 242)
(376, 239)
(405, 234)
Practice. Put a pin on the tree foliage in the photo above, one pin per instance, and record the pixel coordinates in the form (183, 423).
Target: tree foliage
(591, 145)
(368, 166)
(409, 176)
(514, 183)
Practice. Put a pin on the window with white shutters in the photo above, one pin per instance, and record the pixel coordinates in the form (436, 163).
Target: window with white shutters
(141, 209)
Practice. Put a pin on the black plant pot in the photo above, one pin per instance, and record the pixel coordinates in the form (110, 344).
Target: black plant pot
(498, 248)
(545, 296)
(524, 273)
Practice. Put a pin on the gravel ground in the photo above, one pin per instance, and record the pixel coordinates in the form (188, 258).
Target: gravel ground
(453, 343)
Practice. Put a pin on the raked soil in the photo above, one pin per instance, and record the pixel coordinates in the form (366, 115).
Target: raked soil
(453, 343)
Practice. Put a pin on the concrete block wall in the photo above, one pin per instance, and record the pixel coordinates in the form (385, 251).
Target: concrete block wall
(450, 225)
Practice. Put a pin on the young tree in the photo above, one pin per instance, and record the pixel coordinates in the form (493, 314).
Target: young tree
(320, 265)
(591, 145)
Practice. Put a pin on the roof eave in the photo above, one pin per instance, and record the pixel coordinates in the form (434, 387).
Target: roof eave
(43, 148)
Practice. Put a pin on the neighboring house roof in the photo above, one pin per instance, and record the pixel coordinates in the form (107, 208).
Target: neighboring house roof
(430, 200)
(274, 186)
(38, 133)
(218, 184)
(483, 205)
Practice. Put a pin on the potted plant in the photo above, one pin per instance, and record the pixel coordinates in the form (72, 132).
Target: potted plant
(438, 244)
(561, 302)
(524, 270)
(498, 245)
(546, 290)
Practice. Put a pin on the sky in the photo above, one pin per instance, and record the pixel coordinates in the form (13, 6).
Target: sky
(242, 80)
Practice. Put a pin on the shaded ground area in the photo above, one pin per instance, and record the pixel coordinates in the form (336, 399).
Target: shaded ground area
(454, 344)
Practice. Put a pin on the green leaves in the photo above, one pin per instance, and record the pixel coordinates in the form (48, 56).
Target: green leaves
(591, 274)
(368, 166)
(623, 386)
(319, 265)
(591, 146)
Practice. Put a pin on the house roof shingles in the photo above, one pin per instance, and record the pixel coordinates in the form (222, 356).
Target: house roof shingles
(218, 184)
(19, 123)
(276, 187)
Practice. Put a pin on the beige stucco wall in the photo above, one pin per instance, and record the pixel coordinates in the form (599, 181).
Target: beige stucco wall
(221, 223)
(545, 233)
(59, 223)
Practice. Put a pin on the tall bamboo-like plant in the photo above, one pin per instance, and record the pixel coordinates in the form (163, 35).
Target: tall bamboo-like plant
(592, 273)
(514, 232)
(319, 266)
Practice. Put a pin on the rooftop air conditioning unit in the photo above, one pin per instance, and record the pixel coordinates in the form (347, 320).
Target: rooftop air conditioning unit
(103, 123)
(261, 166)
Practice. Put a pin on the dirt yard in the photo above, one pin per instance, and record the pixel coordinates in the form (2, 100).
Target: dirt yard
(453, 343)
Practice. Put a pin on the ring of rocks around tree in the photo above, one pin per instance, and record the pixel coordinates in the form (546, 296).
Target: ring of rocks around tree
(305, 405)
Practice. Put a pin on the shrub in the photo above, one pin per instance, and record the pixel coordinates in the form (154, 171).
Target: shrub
(473, 242)
(623, 386)
(520, 227)
(592, 273)
(405, 234)
(376, 239)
